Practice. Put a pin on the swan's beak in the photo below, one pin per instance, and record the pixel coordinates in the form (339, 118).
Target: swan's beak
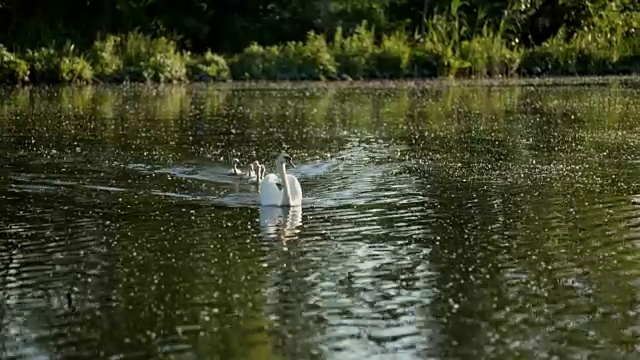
(290, 162)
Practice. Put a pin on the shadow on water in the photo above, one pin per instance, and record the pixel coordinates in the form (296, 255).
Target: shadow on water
(441, 222)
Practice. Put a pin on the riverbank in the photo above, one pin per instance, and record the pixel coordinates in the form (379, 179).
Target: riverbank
(135, 57)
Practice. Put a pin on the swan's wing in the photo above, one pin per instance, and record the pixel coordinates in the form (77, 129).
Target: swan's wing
(270, 194)
(295, 190)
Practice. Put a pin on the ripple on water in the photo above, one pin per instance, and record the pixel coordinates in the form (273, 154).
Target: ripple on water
(482, 239)
(361, 264)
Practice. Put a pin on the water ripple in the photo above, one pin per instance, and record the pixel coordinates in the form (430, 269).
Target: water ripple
(489, 223)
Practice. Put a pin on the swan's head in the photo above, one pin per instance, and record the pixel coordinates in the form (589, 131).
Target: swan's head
(235, 163)
(285, 159)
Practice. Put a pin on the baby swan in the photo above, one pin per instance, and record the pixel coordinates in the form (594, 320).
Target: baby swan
(257, 172)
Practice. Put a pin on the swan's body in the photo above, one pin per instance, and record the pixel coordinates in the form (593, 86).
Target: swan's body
(289, 193)
(235, 171)
(251, 174)
(256, 172)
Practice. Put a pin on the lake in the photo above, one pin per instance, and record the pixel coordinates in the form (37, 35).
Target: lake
(440, 220)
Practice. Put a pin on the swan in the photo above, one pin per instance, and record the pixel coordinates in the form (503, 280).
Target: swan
(251, 174)
(256, 172)
(289, 193)
(234, 170)
(261, 171)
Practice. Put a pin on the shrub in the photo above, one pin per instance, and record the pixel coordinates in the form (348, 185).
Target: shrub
(392, 58)
(488, 54)
(256, 62)
(12, 69)
(148, 59)
(138, 57)
(50, 66)
(317, 60)
(210, 67)
(353, 53)
(105, 57)
(44, 65)
(75, 69)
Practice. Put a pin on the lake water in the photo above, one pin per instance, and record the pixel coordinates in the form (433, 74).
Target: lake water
(443, 221)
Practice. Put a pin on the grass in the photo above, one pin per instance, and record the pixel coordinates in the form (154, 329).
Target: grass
(450, 47)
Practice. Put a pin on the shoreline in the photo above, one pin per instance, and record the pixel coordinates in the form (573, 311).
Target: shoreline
(406, 83)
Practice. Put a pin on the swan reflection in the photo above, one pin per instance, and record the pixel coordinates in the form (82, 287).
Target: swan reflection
(280, 222)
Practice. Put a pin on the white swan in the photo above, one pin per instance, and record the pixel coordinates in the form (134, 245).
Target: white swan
(289, 193)
(234, 169)
(256, 172)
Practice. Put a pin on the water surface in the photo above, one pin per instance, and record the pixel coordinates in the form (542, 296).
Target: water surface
(444, 222)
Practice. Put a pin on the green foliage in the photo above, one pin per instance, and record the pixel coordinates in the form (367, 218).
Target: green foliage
(44, 65)
(12, 68)
(354, 52)
(367, 39)
(488, 55)
(75, 69)
(316, 60)
(391, 59)
(255, 62)
(138, 57)
(105, 57)
(442, 42)
(311, 60)
(609, 45)
(148, 59)
(210, 67)
(50, 66)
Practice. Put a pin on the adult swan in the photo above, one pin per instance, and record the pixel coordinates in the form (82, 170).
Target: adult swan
(283, 191)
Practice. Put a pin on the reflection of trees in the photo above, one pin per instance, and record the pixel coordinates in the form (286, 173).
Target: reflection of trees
(189, 282)
(517, 232)
(464, 257)
(198, 272)
(514, 248)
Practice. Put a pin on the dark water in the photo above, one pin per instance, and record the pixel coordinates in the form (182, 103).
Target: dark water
(459, 222)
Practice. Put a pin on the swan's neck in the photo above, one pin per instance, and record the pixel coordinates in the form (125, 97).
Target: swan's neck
(235, 169)
(258, 172)
(286, 194)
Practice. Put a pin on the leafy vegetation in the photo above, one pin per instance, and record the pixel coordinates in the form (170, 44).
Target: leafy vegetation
(344, 39)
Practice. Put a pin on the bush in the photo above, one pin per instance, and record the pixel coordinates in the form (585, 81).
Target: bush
(210, 67)
(294, 60)
(12, 69)
(255, 62)
(137, 57)
(488, 55)
(423, 63)
(105, 57)
(147, 59)
(607, 43)
(43, 65)
(353, 53)
(75, 69)
(50, 66)
(316, 60)
(391, 60)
